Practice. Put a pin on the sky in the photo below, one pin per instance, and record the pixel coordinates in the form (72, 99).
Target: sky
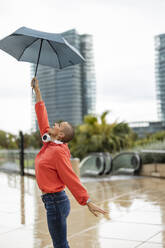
(123, 39)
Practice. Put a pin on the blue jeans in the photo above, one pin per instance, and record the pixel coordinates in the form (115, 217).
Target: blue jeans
(57, 207)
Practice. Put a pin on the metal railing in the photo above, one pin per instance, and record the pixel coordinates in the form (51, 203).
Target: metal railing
(11, 160)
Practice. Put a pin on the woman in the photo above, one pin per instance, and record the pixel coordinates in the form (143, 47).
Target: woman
(54, 171)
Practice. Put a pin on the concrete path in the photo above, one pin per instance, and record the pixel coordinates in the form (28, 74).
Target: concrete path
(136, 218)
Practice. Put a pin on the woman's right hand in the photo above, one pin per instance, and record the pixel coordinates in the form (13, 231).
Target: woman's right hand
(94, 209)
(34, 83)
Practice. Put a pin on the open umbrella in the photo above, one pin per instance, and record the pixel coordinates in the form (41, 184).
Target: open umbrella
(43, 48)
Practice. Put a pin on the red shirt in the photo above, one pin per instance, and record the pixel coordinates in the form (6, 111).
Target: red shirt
(53, 168)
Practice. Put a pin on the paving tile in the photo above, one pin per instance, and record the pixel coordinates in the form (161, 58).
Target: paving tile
(126, 206)
(17, 238)
(88, 220)
(159, 238)
(154, 218)
(150, 207)
(151, 245)
(82, 241)
(127, 231)
(5, 229)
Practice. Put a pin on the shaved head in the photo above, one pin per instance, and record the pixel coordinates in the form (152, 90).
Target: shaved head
(68, 131)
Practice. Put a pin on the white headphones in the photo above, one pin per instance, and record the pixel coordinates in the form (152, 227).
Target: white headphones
(46, 137)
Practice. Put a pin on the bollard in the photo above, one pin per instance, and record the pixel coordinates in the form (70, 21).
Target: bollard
(21, 153)
(75, 165)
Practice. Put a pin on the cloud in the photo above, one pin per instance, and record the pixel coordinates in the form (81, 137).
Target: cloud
(127, 111)
(15, 114)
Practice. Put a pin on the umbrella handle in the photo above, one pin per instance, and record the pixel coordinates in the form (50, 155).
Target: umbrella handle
(38, 60)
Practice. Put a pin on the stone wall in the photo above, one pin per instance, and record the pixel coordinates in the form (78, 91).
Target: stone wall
(154, 170)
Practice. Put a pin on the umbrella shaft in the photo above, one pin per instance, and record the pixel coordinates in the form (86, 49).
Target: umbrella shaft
(38, 57)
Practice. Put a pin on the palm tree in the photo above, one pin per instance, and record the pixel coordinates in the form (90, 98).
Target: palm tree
(93, 136)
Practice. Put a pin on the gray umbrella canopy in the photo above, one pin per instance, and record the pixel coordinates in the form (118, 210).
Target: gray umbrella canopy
(43, 48)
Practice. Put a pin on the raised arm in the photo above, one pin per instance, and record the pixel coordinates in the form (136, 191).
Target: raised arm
(41, 112)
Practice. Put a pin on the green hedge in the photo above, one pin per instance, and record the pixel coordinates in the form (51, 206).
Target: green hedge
(152, 157)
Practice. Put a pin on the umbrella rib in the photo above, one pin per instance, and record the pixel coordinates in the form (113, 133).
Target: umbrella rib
(27, 47)
(55, 52)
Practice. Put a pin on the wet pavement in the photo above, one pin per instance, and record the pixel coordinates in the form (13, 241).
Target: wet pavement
(136, 218)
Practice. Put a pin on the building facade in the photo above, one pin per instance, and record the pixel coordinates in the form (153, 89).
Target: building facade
(69, 94)
(160, 75)
(142, 128)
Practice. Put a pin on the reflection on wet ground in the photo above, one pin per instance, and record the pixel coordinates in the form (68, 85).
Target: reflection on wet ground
(136, 218)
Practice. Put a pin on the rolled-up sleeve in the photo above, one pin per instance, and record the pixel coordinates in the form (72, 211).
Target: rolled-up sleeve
(42, 117)
(69, 178)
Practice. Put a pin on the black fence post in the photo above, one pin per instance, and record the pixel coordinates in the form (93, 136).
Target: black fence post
(21, 153)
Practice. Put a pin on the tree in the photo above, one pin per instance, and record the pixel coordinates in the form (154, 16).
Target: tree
(96, 135)
(7, 140)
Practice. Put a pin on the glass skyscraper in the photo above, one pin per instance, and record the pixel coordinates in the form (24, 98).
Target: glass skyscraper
(69, 94)
(160, 75)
